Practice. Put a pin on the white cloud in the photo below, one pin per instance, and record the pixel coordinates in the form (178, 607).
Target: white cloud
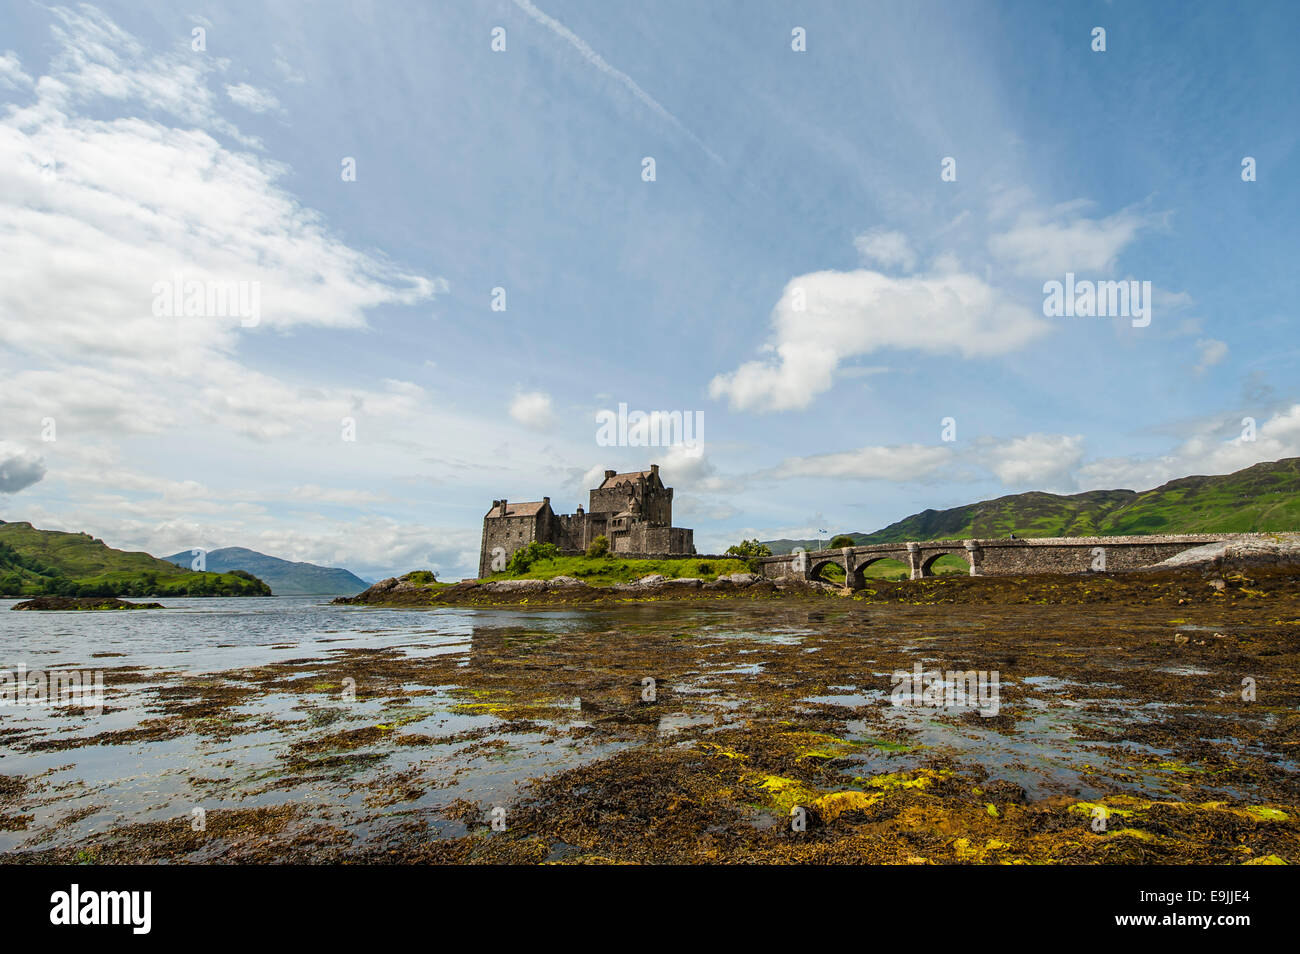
(848, 314)
(1047, 244)
(369, 545)
(533, 409)
(691, 470)
(903, 462)
(122, 174)
(96, 60)
(95, 213)
(1034, 461)
(289, 72)
(19, 468)
(251, 98)
(1209, 452)
(350, 498)
(590, 478)
(11, 72)
(1212, 351)
(886, 249)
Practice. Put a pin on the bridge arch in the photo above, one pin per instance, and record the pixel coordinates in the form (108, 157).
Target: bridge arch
(928, 562)
(899, 557)
(815, 566)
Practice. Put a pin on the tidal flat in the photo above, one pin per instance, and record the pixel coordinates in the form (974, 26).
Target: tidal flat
(1155, 719)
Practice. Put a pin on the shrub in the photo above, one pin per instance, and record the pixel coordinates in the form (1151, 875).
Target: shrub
(749, 550)
(843, 540)
(598, 547)
(525, 557)
(422, 577)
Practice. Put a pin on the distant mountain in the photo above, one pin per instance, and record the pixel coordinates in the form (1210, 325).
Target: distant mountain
(285, 577)
(54, 563)
(1263, 497)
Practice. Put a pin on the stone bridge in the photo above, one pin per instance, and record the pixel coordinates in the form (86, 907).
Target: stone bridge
(1004, 557)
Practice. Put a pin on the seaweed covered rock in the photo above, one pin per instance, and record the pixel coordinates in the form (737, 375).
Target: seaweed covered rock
(82, 603)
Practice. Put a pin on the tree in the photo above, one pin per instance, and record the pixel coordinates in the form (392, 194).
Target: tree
(524, 558)
(749, 550)
(843, 540)
(598, 547)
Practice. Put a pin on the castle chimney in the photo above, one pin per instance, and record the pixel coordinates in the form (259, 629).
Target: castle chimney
(547, 501)
(654, 469)
(610, 473)
(504, 509)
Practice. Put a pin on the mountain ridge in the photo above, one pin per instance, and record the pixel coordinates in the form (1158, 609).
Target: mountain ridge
(1262, 497)
(285, 577)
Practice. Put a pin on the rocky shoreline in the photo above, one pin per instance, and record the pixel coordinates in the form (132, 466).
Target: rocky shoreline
(404, 591)
(1239, 553)
(1211, 578)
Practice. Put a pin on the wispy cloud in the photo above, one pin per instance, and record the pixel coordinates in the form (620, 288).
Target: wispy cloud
(251, 98)
(11, 72)
(598, 61)
(1212, 351)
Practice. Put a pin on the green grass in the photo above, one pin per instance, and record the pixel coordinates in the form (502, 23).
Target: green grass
(79, 554)
(610, 569)
(53, 563)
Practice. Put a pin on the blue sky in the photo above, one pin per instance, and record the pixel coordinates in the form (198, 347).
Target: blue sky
(132, 157)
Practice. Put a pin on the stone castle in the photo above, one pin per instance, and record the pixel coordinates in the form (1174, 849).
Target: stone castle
(634, 512)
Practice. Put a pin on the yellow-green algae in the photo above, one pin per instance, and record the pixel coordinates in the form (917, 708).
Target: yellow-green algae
(1126, 806)
(1265, 813)
(917, 779)
(819, 745)
(784, 794)
(832, 806)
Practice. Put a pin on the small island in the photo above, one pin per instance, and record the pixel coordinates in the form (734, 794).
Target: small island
(82, 603)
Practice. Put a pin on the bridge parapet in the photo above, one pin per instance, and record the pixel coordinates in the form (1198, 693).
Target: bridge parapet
(999, 556)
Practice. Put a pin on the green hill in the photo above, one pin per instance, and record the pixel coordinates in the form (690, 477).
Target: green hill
(53, 563)
(287, 578)
(1263, 497)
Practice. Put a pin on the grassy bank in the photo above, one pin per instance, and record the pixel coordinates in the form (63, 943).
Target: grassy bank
(608, 570)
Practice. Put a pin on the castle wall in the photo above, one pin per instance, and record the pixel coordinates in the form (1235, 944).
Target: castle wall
(509, 533)
(643, 539)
